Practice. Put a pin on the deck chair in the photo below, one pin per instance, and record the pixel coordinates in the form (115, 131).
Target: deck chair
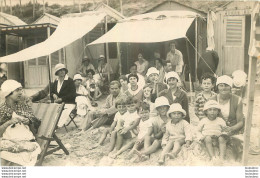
(49, 115)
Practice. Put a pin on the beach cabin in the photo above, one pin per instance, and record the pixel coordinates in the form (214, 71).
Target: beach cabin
(232, 35)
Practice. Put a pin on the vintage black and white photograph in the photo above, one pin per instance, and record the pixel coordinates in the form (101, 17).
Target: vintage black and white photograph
(129, 83)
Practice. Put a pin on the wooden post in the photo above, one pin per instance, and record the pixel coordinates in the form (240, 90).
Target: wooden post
(250, 105)
(43, 7)
(196, 46)
(1, 5)
(79, 7)
(119, 58)
(121, 6)
(11, 10)
(107, 52)
(49, 58)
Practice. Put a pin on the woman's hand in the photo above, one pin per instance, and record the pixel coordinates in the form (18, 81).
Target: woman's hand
(59, 100)
(123, 131)
(228, 129)
(14, 120)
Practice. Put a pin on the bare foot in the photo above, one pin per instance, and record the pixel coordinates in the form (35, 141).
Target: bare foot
(171, 155)
(137, 152)
(93, 147)
(112, 155)
(161, 161)
(144, 157)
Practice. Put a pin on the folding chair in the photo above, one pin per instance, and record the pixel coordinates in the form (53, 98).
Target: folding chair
(49, 114)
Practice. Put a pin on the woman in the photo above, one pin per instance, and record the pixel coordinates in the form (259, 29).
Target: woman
(152, 80)
(63, 90)
(134, 90)
(175, 94)
(17, 128)
(142, 65)
(231, 105)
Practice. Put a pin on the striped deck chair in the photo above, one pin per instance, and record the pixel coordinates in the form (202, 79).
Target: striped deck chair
(49, 114)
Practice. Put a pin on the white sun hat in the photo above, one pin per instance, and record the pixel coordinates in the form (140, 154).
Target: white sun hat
(152, 70)
(161, 101)
(174, 108)
(9, 86)
(239, 78)
(211, 104)
(172, 74)
(77, 77)
(59, 67)
(225, 79)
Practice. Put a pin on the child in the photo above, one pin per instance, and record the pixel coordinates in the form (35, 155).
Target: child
(116, 125)
(83, 107)
(80, 89)
(94, 92)
(123, 82)
(177, 133)
(211, 128)
(153, 142)
(145, 127)
(131, 121)
(207, 84)
(147, 98)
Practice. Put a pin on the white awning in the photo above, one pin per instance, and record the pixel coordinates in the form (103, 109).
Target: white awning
(151, 27)
(70, 28)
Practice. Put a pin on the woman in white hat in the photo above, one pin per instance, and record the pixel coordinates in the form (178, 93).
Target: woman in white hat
(174, 93)
(152, 80)
(230, 104)
(16, 118)
(80, 89)
(63, 89)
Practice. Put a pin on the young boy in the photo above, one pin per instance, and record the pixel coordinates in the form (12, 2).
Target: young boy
(116, 125)
(177, 133)
(211, 129)
(128, 131)
(145, 128)
(207, 84)
(94, 92)
(153, 142)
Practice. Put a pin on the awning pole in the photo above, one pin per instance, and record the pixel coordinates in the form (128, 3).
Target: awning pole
(250, 105)
(119, 58)
(107, 52)
(196, 46)
(49, 62)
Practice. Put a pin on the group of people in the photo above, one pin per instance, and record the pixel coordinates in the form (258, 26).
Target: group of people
(146, 108)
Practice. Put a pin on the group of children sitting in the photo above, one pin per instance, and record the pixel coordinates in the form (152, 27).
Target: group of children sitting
(152, 126)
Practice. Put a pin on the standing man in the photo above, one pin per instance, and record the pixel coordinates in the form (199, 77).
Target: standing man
(175, 57)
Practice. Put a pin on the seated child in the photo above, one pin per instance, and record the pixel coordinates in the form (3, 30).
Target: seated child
(177, 133)
(207, 84)
(116, 125)
(153, 142)
(210, 129)
(123, 82)
(147, 98)
(128, 131)
(83, 106)
(94, 92)
(145, 128)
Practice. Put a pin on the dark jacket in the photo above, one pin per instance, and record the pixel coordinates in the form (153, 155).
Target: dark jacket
(180, 97)
(67, 92)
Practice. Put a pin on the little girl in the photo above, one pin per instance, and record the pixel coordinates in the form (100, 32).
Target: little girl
(177, 133)
(211, 129)
(147, 98)
(94, 92)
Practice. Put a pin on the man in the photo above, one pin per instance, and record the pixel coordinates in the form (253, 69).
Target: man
(106, 115)
(86, 65)
(175, 57)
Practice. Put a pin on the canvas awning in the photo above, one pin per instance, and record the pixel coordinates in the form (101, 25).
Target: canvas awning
(71, 28)
(151, 27)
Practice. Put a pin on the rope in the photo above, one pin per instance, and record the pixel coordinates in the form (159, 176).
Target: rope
(202, 58)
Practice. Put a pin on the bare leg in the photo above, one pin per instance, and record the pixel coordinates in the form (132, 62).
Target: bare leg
(112, 141)
(208, 143)
(148, 141)
(153, 148)
(124, 148)
(166, 150)
(177, 147)
(86, 123)
(222, 147)
(119, 141)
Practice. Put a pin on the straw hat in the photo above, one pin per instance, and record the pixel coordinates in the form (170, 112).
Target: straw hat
(85, 58)
(172, 74)
(239, 78)
(211, 104)
(225, 79)
(161, 101)
(59, 67)
(101, 56)
(152, 70)
(174, 108)
(9, 86)
(77, 77)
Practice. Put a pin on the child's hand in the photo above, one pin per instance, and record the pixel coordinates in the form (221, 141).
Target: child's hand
(227, 129)
(188, 143)
(163, 129)
(123, 131)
